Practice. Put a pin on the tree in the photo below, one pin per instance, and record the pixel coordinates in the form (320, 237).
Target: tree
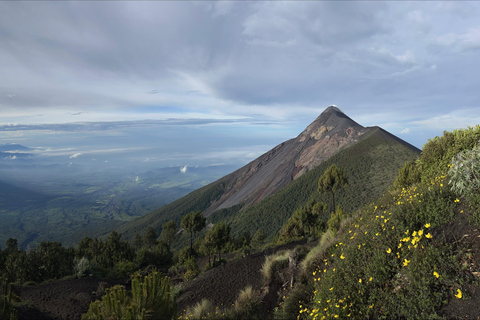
(208, 245)
(193, 223)
(332, 179)
(221, 235)
(150, 237)
(169, 229)
(258, 239)
(137, 242)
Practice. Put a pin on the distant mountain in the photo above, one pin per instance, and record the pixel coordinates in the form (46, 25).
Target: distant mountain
(12, 151)
(265, 192)
(14, 147)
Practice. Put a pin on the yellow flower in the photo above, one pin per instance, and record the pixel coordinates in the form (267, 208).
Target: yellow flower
(360, 280)
(389, 250)
(459, 294)
(456, 200)
(371, 278)
(428, 235)
(435, 273)
(342, 256)
(420, 233)
(406, 262)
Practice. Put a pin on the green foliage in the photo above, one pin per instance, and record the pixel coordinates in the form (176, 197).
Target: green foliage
(335, 219)
(289, 307)
(247, 305)
(169, 230)
(332, 180)
(464, 172)
(371, 166)
(150, 238)
(159, 256)
(192, 269)
(307, 220)
(193, 223)
(317, 253)
(438, 152)
(220, 235)
(82, 267)
(150, 298)
(8, 312)
(198, 200)
(258, 239)
(387, 262)
(408, 175)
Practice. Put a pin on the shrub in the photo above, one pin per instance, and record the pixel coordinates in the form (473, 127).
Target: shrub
(192, 269)
(439, 151)
(151, 298)
(247, 305)
(82, 267)
(7, 311)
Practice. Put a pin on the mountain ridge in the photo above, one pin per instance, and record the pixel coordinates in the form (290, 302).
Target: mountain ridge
(329, 134)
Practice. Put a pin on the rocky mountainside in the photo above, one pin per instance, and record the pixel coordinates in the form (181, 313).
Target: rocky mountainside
(331, 133)
(324, 137)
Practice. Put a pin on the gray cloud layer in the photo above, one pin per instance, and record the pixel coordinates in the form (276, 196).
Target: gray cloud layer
(403, 63)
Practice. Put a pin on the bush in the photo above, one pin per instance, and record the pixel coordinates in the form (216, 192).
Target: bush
(192, 269)
(150, 298)
(247, 305)
(82, 267)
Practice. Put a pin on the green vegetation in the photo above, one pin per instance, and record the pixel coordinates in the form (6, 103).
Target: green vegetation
(7, 312)
(192, 223)
(151, 298)
(370, 165)
(393, 259)
(272, 264)
(332, 180)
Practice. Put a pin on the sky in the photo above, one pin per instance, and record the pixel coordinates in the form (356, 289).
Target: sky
(204, 83)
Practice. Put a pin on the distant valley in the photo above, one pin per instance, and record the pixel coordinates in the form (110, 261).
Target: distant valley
(45, 201)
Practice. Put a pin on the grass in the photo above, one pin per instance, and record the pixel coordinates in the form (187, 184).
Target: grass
(272, 264)
(317, 254)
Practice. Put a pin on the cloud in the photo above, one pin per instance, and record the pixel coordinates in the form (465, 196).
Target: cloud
(183, 169)
(468, 41)
(405, 131)
(76, 155)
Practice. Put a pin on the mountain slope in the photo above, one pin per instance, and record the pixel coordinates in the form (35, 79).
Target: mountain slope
(249, 189)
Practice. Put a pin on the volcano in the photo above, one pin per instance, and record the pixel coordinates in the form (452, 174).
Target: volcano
(331, 134)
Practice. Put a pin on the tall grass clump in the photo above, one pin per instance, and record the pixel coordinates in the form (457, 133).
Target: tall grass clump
(201, 310)
(272, 264)
(317, 254)
(247, 305)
